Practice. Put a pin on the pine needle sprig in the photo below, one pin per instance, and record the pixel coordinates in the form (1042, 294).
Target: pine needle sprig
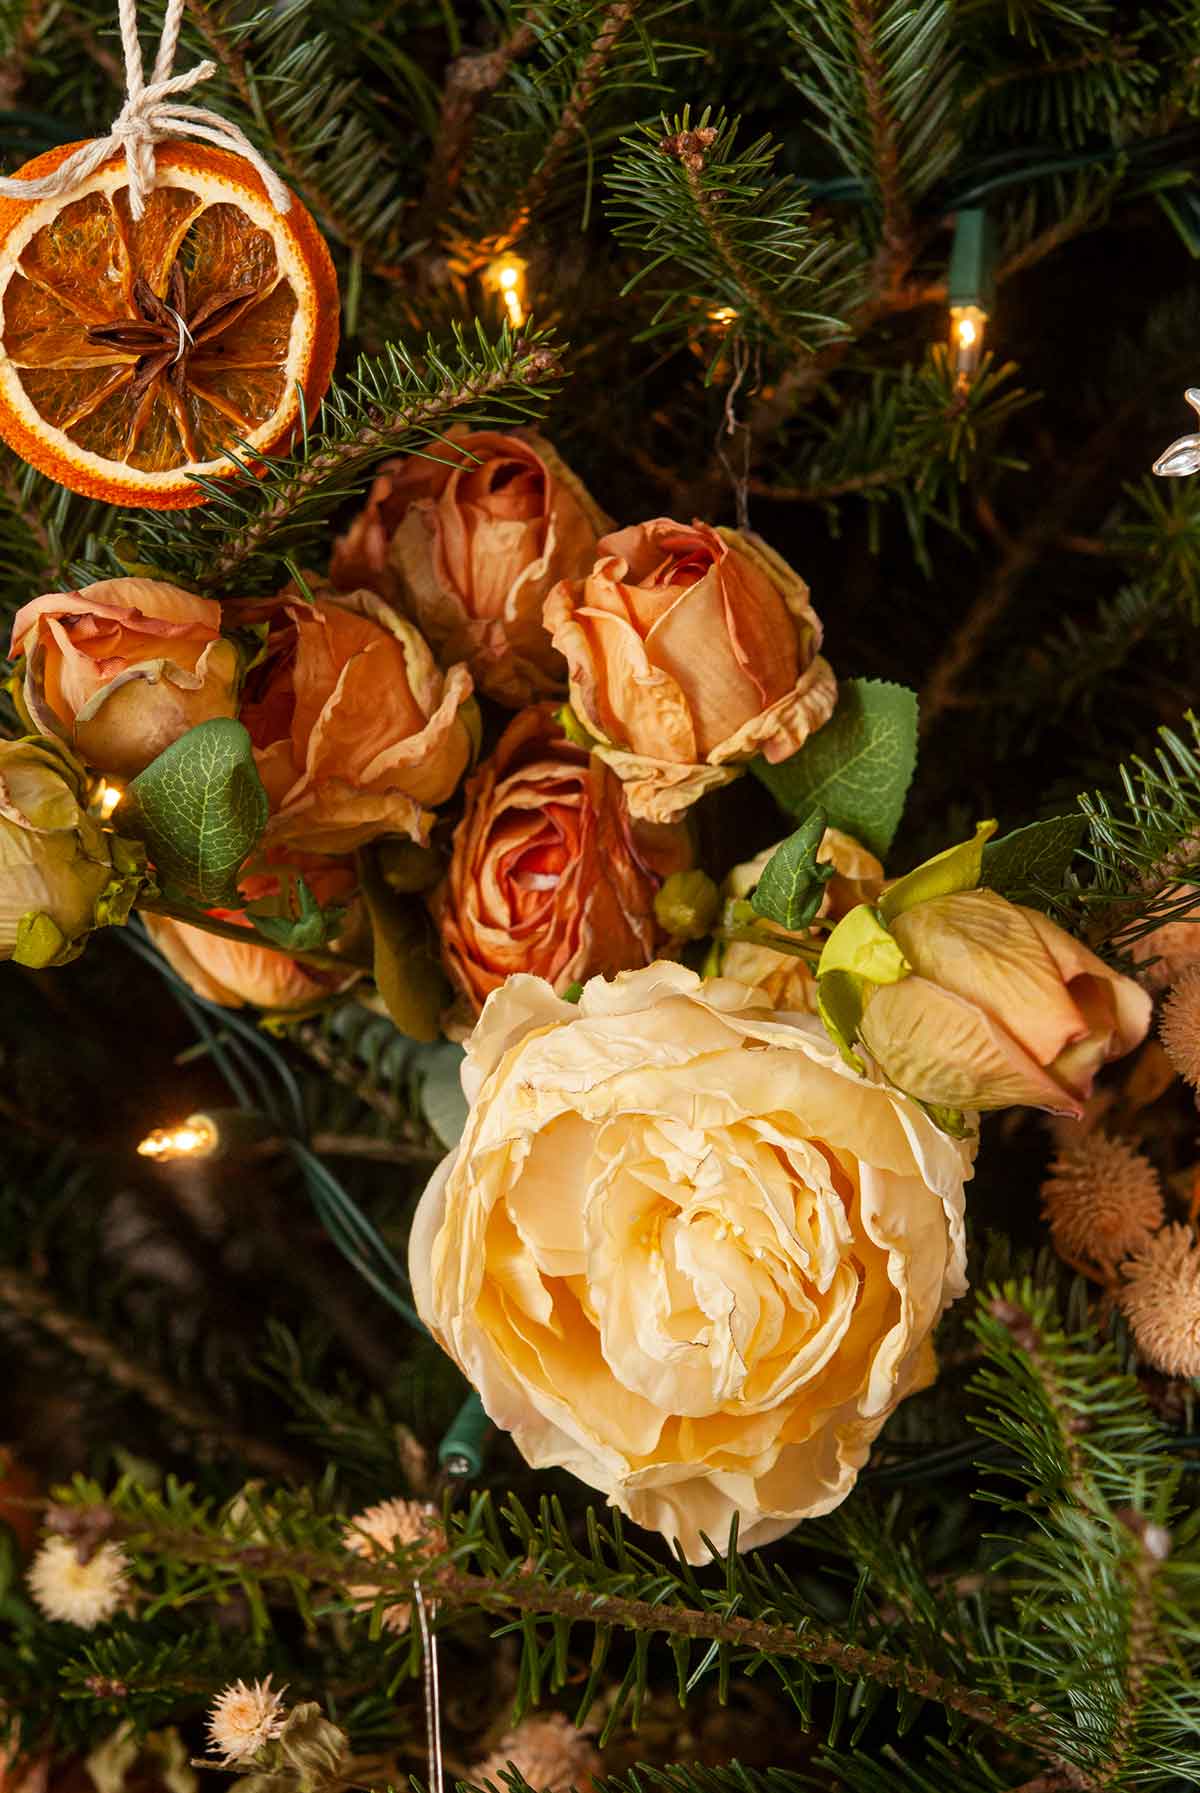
(394, 403)
(537, 143)
(282, 71)
(1142, 842)
(718, 230)
(883, 80)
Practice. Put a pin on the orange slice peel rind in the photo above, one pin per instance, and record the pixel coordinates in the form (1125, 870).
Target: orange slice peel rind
(134, 354)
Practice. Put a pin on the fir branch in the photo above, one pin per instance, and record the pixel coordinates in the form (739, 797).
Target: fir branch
(469, 81)
(613, 22)
(703, 213)
(896, 217)
(26, 1297)
(391, 405)
(150, 1531)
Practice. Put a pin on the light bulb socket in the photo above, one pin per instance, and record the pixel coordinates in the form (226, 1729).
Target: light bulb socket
(972, 278)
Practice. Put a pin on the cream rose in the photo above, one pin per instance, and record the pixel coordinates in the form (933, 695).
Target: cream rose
(682, 1251)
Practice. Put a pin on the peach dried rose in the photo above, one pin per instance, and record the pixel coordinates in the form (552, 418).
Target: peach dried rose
(1000, 1006)
(122, 668)
(690, 650)
(548, 873)
(469, 540)
(683, 1252)
(356, 731)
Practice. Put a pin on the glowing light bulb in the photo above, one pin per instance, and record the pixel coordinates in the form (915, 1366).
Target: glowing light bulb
(967, 325)
(507, 275)
(197, 1137)
(107, 797)
(722, 316)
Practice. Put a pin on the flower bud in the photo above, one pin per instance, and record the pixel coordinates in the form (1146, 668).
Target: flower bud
(124, 667)
(686, 906)
(61, 874)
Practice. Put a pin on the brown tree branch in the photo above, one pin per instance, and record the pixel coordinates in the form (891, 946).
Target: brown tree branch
(459, 1589)
(616, 18)
(1020, 553)
(26, 1297)
(469, 81)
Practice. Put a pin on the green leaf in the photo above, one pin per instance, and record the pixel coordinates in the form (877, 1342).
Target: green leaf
(954, 869)
(442, 1101)
(200, 808)
(1031, 863)
(308, 928)
(858, 767)
(792, 883)
(408, 972)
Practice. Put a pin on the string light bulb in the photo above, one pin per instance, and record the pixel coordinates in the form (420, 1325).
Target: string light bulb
(106, 798)
(197, 1137)
(507, 276)
(967, 326)
(972, 286)
(721, 317)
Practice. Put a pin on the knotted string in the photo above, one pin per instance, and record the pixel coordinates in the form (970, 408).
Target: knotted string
(150, 114)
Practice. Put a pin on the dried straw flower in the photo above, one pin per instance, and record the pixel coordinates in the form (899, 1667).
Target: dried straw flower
(1161, 1301)
(243, 1719)
(1179, 1028)
(549, 1752)
(1172, 946)
(375, 1534)
(78, 1591)
(1102, 1200)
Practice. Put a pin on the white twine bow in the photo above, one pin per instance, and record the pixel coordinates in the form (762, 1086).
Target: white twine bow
(148, 116)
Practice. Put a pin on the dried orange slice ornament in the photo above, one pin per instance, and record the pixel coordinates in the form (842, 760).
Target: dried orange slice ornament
(134, 352)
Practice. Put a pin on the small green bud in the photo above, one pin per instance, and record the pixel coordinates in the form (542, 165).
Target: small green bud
(686, 907)
(406, 867)
(573, 728)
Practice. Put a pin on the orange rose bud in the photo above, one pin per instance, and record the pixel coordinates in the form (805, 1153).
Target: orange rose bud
(548, 874)
(1001, 1007)
(690, 650)
(226, 972)
(124, 667)
(469, 543)
(356, 731)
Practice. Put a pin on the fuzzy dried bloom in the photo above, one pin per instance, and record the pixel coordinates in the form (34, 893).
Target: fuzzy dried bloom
(1102, 1200)
(547, 1751)
(375, 1533)
(74, 1591)
(1179, 1029)
(1161, 1301)
(243, 1719)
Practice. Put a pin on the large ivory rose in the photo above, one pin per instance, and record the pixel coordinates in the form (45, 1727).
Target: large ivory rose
(469, 539)
(548, 873)
(122, 668)
(684, 1252)
(789, 981)
(690, 649)
(356, 732)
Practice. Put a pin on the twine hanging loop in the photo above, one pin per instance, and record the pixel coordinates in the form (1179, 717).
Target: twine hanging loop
(151, 114)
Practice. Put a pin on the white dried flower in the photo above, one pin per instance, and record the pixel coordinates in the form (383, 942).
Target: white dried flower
(376, 1533)
(78, 1592)
(548, 1752)
(243, 1719)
